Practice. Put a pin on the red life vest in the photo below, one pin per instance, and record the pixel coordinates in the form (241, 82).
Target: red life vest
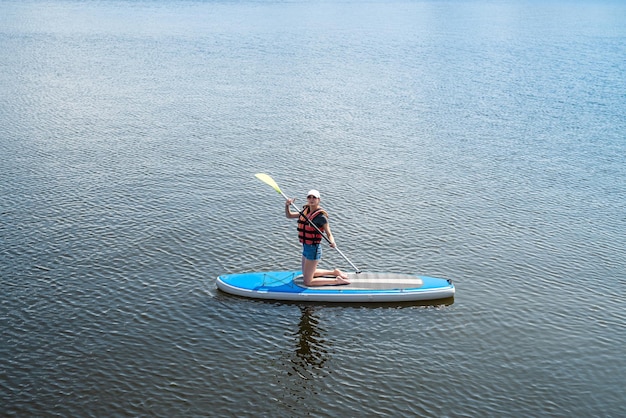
(306, 233)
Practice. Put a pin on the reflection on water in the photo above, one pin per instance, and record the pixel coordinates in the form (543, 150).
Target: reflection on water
(303, 367)
(312, 345)
(311, 352)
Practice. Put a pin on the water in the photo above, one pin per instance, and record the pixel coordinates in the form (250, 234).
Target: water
(478, 141)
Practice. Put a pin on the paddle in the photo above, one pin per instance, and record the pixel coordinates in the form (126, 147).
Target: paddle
(270, 181)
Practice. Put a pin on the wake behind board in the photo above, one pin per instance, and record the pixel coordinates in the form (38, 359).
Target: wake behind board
(363, 287)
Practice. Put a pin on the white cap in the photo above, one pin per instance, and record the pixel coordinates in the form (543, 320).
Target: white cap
(313, 192)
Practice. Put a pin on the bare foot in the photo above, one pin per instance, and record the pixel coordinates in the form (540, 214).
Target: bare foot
(341, 275)
(341, 280)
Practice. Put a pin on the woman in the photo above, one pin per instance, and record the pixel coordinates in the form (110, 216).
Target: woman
(311, 239)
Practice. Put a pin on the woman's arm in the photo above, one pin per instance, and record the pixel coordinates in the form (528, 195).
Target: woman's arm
(288, 213)
(329, 235)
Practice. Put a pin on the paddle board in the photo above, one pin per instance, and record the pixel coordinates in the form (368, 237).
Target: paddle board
(363, 287)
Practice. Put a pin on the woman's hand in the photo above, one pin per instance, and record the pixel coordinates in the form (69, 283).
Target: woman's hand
(288, 212)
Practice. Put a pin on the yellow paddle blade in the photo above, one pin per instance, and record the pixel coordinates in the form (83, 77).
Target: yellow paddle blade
(268, 180)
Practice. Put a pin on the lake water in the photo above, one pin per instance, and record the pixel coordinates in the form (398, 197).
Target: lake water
(481, 141)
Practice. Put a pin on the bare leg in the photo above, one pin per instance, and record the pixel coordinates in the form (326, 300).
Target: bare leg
(335, 272)
(313, 276)
(308, 270)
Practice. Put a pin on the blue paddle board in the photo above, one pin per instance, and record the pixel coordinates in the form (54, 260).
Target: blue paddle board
(363, 287)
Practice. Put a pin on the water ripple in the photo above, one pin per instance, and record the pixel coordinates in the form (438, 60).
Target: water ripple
(130, 137)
